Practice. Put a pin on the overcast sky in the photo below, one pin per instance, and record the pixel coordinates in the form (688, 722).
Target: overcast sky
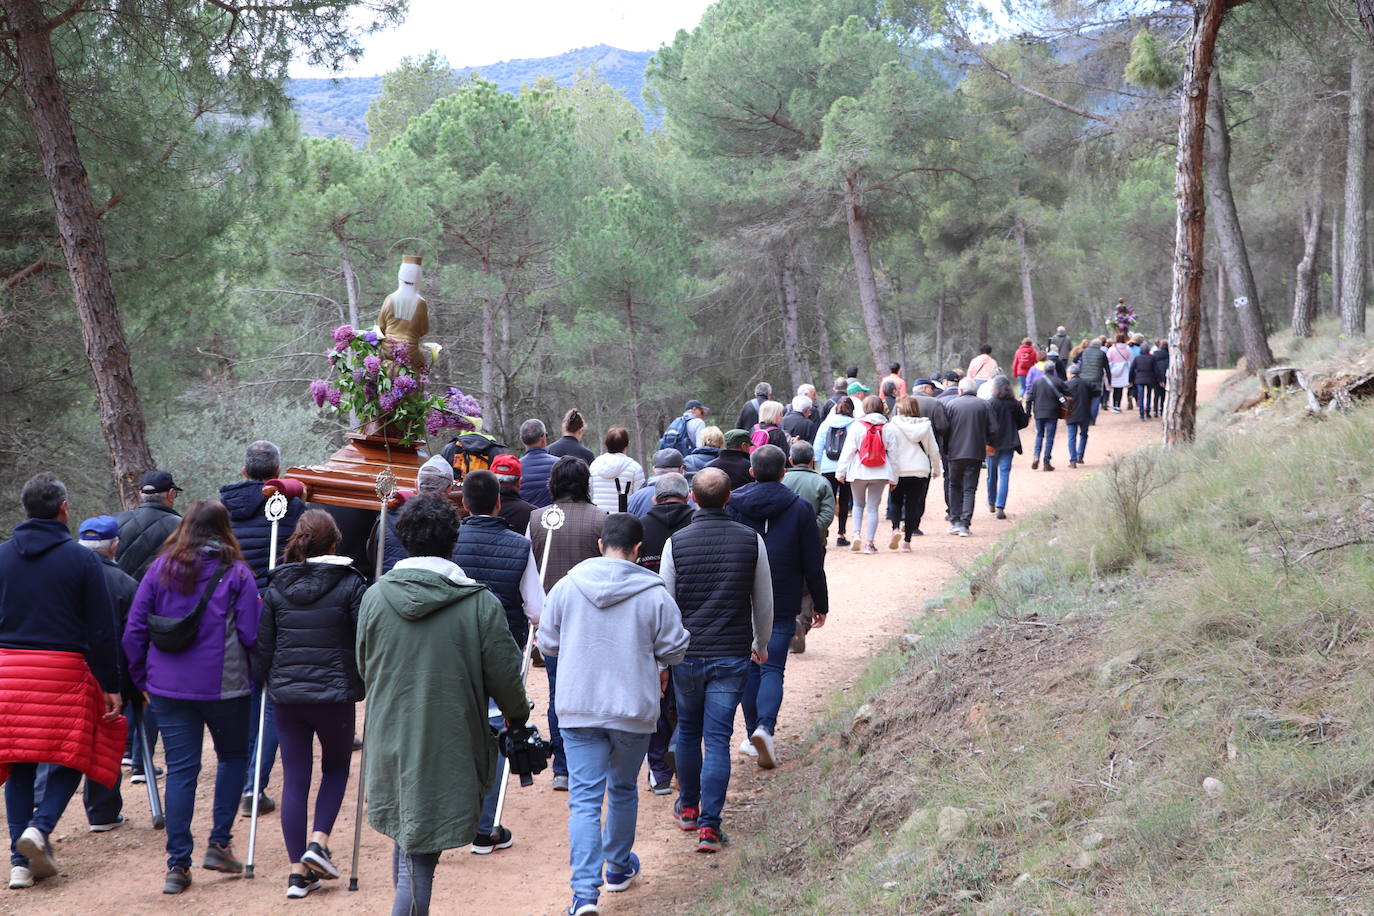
(472, 33)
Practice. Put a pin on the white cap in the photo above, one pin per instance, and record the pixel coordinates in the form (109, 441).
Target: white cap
(435, 473)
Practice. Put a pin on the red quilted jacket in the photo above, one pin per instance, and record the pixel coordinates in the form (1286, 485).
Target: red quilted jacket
(50, 712)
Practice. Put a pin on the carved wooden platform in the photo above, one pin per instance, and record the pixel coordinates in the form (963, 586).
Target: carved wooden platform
(349, 477)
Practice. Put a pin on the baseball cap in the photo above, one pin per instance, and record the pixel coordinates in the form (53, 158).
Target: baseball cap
(157, 482)
(921, 381)
(734, 438)
(694, 404)
(668, 458)
(435, 469)
(505, 466)
(951, 376)
(856, 386)
(98, 528)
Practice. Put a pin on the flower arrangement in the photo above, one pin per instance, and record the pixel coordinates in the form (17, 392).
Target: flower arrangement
(364, 382)
(1123, 318)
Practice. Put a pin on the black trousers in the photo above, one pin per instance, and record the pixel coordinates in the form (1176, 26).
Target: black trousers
(963, 487)
(907, 503)
(844, 499)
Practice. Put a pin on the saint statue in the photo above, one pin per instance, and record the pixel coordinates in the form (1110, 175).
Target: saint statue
(404, 318)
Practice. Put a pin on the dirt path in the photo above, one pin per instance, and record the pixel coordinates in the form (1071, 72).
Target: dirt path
(121, 872)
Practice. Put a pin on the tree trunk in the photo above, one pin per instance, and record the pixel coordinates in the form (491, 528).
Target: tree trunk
(823, 350)
(1356, 153)
(1336, 260)
(635, 381)
(1206, 347)
(1027, 294)
(1190, 228)
(791, 318)
(350, 284)
(489, 405)
(1305, 286)
(1230, 236)
(1221, 323)
(863, 270)
(1366, 11)
(938, 365)
(83, 246)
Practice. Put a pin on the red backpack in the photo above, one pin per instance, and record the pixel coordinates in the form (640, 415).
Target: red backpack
(872, 451)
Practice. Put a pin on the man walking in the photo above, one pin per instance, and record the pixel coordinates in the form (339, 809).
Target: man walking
(433, 645)
(684, 433)
(749, 413)
(666, 461)
(513, 509)
(717, 571)
(536, 464)
(55, 617)
(799, 423)
(614, 628)
(972, 430)
(803, 479)
(142, 530)
(734, 458)
(788, 526)
(1094, 368)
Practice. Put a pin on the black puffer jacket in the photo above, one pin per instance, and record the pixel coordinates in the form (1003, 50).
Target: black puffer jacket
(1010, 418)
(308, 632)
(248, 518)
(142, 532)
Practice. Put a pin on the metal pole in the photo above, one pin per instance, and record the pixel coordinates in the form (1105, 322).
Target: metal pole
(276, 511)
(154, 800)
(551, 519)
(386, 489)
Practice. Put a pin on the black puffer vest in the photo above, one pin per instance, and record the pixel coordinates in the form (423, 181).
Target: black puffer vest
(495, 556)
(713, 562)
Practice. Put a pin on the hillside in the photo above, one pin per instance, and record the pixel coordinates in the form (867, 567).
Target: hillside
(336, 107)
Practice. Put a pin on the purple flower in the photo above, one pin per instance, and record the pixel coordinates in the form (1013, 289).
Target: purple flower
(317, 391)
(370, 391)
(344, 333)
(372, 364)
(339, 348)
(434, 422)
(389, 400)
(333, 396)
(404, 384)
(462, 404)
(358, 376)
(400, 353)
(370, 338)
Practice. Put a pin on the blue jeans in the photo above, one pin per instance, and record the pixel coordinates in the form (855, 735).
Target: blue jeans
(269, 748)
(183, 728)
(999, 476)
(603, 766)
(763, 687)
(708, 690)
(486, 821)
(1044, 432)
(1144, 397)
(103, 805)
(1078, 441)
(664, 739)
(560, 757)
(23, 812)
(1097, 399)
(413, 877)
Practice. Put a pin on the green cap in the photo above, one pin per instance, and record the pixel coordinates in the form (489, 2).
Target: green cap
(856, 386)
(735, 438)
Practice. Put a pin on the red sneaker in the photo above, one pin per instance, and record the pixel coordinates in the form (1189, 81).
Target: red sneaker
(709, 839)
(685, 815)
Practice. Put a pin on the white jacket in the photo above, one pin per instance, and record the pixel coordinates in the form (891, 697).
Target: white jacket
(917, 451)
(606, 470)
(851, 468)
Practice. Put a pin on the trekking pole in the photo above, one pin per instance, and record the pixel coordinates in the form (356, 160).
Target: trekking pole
(550, 520)
(276, 511)
(386, 490)
(150, 771)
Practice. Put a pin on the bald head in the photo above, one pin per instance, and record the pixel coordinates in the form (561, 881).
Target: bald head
(711, 488)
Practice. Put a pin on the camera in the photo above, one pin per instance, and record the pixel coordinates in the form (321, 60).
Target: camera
(527, 752)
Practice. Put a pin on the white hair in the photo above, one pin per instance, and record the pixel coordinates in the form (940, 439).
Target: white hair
(806, 390)
(407, 294)
(98, 546)
(968, 383)
(801, 402)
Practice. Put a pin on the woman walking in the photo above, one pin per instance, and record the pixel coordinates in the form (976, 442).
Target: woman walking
(201, 579)
(983, 367)
(829, 445)
(1021, 362)
(615, 475)
(306, 641)
(866, 464)
(1011, 419)
(1143, 382)
(1045, 402)
(574, 428)
(916, 459)
(768, 430)
(1119, 363)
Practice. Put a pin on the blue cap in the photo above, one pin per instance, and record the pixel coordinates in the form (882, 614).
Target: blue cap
(921, 381)
(99, 528)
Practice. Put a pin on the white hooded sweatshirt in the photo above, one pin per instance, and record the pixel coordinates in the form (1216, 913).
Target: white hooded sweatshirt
(609, 468)
(917, 451)
(851, 468)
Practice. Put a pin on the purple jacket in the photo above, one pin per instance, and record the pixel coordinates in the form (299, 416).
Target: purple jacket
(216, 666)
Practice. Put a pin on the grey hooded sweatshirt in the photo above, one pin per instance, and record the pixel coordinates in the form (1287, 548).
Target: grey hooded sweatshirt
(612, 625)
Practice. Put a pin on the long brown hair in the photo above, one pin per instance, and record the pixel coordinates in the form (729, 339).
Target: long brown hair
(874, 404)
(316, 534)
(908, 407)
(205, 529)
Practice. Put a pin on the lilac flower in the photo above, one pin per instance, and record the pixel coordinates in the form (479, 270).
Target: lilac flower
(370, 338)
(358, 376)
(400, 353)
(339, 348)
(372, 364)
(404, 384)
(370, 391)
(333, 357)
(333, 396)
(434, 422)
(462, 404)
(389, 400)
(317, 391)
(344, 333)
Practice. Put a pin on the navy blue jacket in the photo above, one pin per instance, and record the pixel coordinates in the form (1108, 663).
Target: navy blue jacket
(788, 525)
(534, 476)
(247, 517)
(122, 588)
(53, 596)
(495, 556)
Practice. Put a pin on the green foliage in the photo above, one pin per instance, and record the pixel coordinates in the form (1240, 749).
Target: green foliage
(1150, 66)
(408, 92)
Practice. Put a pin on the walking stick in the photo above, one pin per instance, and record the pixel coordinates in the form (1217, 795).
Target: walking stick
(276, 511)
(150, 771)
(550, 520)
(386, 490)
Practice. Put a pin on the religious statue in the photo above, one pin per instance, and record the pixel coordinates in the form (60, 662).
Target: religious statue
(404, 318)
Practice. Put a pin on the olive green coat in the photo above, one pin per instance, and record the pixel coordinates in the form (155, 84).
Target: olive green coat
(431, 650)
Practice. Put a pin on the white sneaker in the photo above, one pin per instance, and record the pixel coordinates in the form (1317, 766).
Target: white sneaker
(20, 877)
(763, 744)
(746, 747)
(33, 845)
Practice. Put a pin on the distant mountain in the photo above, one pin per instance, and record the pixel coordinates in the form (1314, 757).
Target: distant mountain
(336, 107)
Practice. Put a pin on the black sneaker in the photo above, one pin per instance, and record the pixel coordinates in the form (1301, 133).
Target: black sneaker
(137, 774)
(221, 858)
(842, 541)
(265, 804)
(177, 880)
(484, 844)
(298, 886)
(317, 857)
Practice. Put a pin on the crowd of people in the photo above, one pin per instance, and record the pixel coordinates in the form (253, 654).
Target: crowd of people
(659, 604)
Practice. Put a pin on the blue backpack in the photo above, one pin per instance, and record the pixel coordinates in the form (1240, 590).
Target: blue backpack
(675, 436)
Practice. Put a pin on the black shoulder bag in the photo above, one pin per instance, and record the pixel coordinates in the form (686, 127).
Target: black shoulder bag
(175, 634)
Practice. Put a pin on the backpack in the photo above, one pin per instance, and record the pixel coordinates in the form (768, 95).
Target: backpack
(872, 451)
(834, 441)
(675, 436)
(758, 436)
(471, 452)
